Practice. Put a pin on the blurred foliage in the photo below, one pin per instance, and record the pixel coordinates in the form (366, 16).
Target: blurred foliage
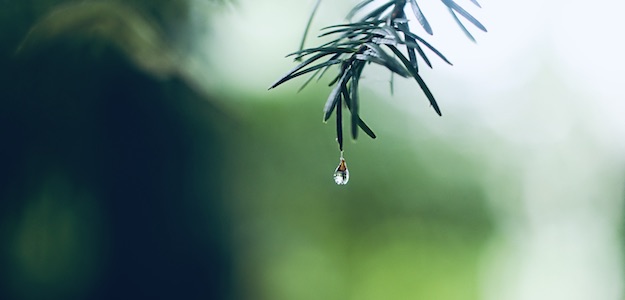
(410, 225)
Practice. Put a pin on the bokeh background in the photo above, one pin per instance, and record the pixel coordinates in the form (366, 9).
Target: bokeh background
(143, 157)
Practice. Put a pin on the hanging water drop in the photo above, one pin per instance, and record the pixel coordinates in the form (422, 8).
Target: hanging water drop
(341, 174)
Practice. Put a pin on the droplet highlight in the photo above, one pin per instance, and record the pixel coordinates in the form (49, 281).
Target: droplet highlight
(341, 174)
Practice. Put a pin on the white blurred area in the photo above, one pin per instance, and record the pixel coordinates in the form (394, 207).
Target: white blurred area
(542, 90)
(538, 102)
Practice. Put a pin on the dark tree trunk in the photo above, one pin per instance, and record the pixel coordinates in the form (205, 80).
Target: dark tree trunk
(147, 153)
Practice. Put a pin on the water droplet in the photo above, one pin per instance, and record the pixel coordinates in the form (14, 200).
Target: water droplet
(341, 174)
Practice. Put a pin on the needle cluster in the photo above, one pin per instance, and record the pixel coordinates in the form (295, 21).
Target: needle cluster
(380, 35)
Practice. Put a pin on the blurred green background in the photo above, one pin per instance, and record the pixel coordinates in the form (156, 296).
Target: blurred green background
(142, 157)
